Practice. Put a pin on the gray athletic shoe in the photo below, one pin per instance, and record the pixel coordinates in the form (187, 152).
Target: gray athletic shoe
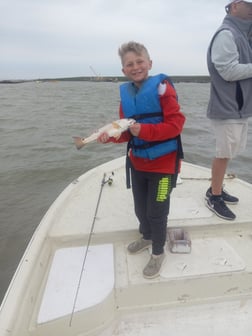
(153, 267)
(139, 246)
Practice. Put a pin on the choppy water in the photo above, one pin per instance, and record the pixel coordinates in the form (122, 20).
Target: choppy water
(38, 158)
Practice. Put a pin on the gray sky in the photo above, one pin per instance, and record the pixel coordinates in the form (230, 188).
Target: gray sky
(63, 38)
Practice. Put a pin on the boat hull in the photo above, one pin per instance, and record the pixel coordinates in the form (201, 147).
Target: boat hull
(61, 287)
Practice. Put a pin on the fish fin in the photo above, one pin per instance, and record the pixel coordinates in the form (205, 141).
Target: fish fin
(79, 142)
(115, 125)
(117, 136)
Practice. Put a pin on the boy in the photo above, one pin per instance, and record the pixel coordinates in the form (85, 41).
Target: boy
(154, 148)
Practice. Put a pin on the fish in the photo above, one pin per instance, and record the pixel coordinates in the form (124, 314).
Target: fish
(114, 129)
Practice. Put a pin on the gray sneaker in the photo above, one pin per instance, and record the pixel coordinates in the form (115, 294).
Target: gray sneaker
(139, 246)
(153, 267)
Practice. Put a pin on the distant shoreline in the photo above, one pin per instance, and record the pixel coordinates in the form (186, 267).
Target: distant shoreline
(114, 79)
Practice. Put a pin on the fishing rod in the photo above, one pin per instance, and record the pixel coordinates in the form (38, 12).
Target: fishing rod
(104, 181)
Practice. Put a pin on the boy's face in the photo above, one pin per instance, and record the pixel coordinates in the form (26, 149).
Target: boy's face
(136, 67)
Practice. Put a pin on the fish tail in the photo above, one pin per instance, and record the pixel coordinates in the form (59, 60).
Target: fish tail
(79, 142)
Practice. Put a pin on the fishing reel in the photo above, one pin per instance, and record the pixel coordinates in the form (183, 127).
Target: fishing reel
(109, 180)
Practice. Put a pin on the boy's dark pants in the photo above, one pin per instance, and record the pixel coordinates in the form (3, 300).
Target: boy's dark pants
(151, 193)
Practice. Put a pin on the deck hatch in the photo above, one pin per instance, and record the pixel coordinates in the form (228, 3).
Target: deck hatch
(97, 280)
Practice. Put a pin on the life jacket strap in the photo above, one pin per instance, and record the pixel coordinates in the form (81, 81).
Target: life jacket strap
(128, 167)
(146, 115)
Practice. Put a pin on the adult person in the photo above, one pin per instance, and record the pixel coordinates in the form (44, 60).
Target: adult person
(154, 148)
(229, 60)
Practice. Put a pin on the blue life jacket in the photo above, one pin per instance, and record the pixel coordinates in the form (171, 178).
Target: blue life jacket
(144, 106)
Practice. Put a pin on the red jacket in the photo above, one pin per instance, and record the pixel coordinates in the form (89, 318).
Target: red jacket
(171, 126)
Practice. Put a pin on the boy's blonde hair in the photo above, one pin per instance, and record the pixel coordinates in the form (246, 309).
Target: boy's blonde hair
(132, 46)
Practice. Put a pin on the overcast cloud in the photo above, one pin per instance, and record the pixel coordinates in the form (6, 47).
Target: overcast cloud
(63, 38)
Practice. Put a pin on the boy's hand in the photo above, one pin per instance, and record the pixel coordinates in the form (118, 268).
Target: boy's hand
(103, 138)
(135, 129)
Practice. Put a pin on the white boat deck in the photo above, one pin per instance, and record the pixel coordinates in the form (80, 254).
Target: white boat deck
(203, 291)
(116, 210)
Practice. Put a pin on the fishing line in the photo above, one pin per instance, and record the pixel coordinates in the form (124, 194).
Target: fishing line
(103, 182)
